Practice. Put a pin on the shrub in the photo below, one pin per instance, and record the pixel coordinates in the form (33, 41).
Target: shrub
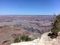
(22, 38)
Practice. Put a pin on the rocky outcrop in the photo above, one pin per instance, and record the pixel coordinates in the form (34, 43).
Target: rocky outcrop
(44, 40)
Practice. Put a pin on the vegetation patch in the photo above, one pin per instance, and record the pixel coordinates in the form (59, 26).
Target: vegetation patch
(56, 28)
(22, 38)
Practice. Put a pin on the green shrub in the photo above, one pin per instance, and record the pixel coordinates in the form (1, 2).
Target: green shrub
(25, 38)
(22, 38)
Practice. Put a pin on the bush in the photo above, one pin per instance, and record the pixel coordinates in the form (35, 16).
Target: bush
(22, 38)
(53, 35)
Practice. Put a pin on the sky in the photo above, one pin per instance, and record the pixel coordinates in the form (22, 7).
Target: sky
(29, 7)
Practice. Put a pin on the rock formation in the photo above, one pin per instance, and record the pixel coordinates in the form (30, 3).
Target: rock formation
(44, 40)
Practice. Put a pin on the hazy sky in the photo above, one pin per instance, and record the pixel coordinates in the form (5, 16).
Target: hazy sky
(29, 7)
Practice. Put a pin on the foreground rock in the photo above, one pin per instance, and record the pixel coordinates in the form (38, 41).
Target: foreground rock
(45, 40)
